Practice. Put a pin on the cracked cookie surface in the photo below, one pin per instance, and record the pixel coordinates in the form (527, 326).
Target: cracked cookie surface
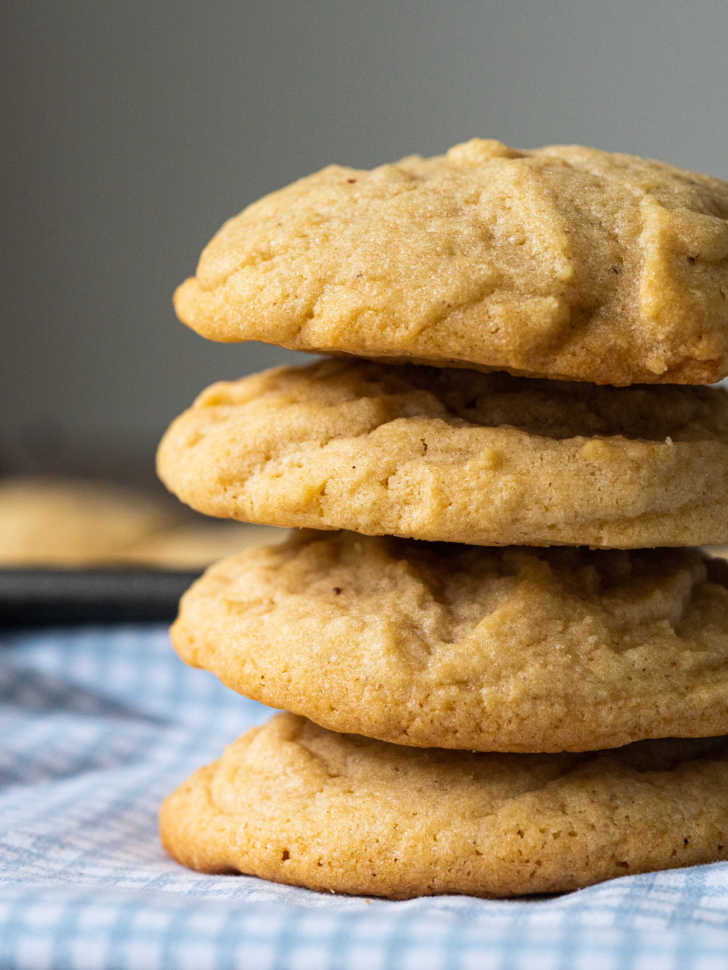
(456, 456)
(562, 262)
(461, 647)
(295, 803)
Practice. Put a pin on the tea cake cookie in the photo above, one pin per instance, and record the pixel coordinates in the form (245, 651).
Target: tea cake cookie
(295, 803)
(457, 456)
(562, 262)
(462, 647)
(68, 522)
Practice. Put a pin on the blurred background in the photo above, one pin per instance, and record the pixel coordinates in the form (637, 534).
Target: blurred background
(133, 129)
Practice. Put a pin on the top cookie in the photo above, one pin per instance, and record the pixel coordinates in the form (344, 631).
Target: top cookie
(559, 262)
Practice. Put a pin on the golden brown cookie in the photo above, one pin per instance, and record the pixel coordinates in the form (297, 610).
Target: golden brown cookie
(194, 546)
(463, 647)
(298, 804)
(457, 456)
(58, 522)
(563, 262)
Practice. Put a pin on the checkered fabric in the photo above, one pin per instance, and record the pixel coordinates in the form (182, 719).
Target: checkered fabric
(98, 725)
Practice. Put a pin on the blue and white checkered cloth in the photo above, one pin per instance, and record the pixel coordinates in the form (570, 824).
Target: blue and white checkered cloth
(97, 726)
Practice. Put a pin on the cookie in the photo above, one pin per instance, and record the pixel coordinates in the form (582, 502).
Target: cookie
(457, 456)
(298, 804)
(56, 522)
(439, 645)
(563, 262)
(194, 546)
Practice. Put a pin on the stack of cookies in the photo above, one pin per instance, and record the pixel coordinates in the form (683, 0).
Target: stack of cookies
(504, 658)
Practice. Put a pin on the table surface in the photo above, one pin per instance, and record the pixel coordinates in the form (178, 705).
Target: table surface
(98, 724)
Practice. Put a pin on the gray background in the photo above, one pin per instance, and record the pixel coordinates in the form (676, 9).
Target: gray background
(133, 129)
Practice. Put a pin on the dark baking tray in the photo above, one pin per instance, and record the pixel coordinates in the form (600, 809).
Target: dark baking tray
(42, 597)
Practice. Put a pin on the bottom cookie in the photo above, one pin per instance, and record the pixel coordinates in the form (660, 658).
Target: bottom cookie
(295, 803)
